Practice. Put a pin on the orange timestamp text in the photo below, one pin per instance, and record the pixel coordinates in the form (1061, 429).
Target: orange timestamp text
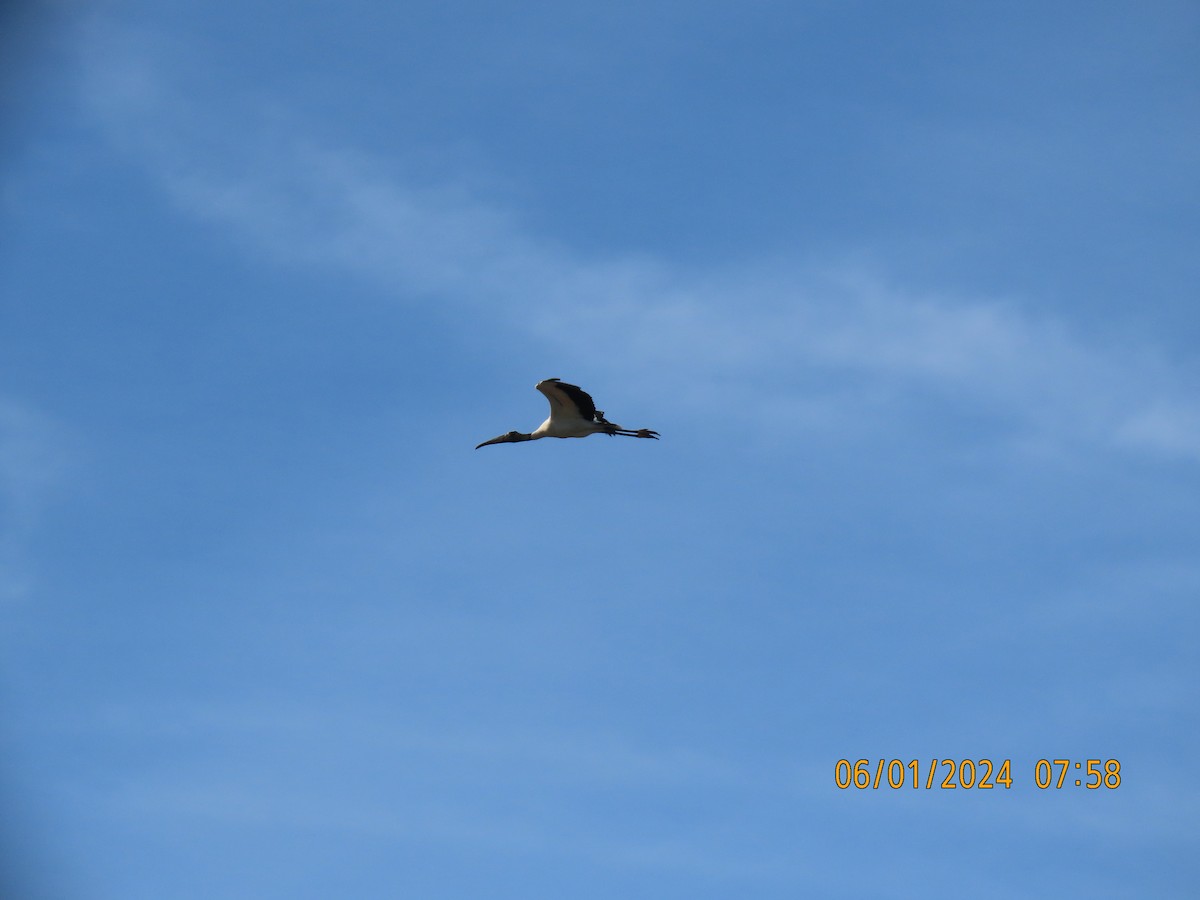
(978, 774)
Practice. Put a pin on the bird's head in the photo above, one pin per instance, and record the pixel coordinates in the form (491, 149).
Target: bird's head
(509, 438)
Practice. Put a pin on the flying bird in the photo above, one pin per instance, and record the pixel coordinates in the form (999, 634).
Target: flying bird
(572, 414)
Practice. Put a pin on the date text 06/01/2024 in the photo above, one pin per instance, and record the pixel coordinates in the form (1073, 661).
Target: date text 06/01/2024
(981, 774)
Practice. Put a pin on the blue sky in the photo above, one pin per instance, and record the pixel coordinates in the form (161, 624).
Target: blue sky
(907, 288)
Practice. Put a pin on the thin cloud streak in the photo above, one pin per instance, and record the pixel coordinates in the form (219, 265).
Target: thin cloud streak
(33, 460)
(752, 333)
(437, 769)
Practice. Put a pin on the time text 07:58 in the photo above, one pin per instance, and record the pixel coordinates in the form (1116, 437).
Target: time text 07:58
(979, 774)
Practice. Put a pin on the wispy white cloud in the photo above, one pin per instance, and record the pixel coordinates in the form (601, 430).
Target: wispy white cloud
(32, 460)
(366, 757)
(1168, 426)
(793, 343)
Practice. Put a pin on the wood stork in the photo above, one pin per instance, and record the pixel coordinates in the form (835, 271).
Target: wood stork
(572, 414)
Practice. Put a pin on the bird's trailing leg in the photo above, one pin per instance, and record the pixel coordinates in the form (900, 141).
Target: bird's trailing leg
(610, 429)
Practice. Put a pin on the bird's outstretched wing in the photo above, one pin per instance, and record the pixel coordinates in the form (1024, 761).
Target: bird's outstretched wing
(568, 399)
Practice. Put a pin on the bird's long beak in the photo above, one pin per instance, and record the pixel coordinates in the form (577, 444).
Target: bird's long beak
(502, 439)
